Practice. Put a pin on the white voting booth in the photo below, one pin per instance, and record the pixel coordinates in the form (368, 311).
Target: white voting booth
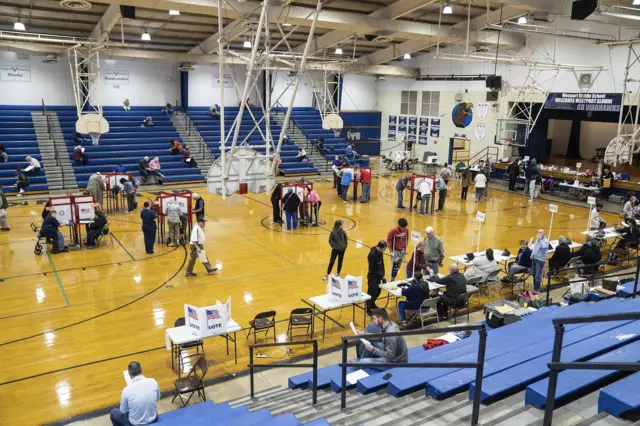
(344, 290)
(209, 320)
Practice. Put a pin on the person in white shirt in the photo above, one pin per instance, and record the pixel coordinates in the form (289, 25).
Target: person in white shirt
(197, 245)
(481, 183)
(482, 266)
(627, 210)
(425, 195)
(594, 218)
(302, 154)
(33, 168)
(138, 401)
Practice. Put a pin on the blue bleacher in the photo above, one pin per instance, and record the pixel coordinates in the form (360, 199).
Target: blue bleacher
(621, 397)
(627, 290)
(18, 136)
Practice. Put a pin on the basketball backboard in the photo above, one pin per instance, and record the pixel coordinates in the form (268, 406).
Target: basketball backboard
(512, 132)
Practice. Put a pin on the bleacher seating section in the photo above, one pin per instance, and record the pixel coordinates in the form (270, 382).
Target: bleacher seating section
(19, 138)
(127, 143)
(310, 121)
(209, 128)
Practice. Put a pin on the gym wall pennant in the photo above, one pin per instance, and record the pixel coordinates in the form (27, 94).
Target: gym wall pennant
(482, 110)
(481, 131)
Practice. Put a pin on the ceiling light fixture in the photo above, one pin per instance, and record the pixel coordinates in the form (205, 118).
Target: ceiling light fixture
(447, 9)
(246, 44)
(145, 36)
(174, 12)
(19, 26)
(286, 25)
(522, 20)
(636, 2)
(407, 55)
(338, 51)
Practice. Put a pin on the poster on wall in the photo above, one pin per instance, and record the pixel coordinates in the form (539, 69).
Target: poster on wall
(462, 114)
(21, 74)
(116, 78)
(412, 128)
(608, 102)
(435, 128)
(402, 124)
(226, 80)
(423, 131)
(481, 131)
(482, 110)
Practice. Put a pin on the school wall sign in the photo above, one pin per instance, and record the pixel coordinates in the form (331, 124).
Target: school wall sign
(116, 78)
(21, 74)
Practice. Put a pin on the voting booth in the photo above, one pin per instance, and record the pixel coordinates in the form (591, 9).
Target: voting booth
(184, 201)
(344, 290)
(85, 209)
(414, 184)
(209, 320)
(115, 198)
(302, 190)
(64, 208)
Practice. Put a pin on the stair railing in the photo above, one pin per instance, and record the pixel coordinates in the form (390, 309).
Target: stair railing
(192, 130)
(313, 365)
(56, 155)
(488, 154)
(478, 365)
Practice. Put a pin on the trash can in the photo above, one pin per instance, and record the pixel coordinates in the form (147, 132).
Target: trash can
(243, 188)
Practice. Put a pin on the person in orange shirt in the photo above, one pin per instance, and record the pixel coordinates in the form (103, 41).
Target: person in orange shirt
(365, 178)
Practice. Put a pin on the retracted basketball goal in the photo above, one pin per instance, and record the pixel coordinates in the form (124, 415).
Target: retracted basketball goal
(94, 125)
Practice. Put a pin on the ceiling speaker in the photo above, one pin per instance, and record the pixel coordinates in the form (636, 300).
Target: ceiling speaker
(580, 9)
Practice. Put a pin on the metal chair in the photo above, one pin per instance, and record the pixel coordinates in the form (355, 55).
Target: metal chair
(462, 303)
(103, 234)
(492, 278)
(180, 351)
(301, 318)
(475, 283)
(428, 309)
(517, 278)
(263, 321)
(192, 383)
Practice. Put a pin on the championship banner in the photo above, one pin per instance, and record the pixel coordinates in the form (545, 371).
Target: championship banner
(483, 110)
(393, 122)
(15, 73)
(608, 102)
(423, 131)
(402, 124)
(435, 128)
(481, 131)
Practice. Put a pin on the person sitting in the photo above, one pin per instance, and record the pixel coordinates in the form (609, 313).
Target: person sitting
(95, 228)
(3, 154)
(392, 349)
(319, 144)
(630, 235)
(168, 109)
(78, 138)
(145, 169)
(302, 155)
(50, 230)
(147, 122)
(522, 263)
(595, 220)
(589, 254)
(120, 169)
(482, 266)
(416, 293)
(213, 111)
(351, 153)
(125, 105)
(418, 262)
(22, 182)
(187, 159)
(154, 165)
(33, 168)
(456, 287)
(78, 155)
(138, 400)
(561, 255)
(175, 147)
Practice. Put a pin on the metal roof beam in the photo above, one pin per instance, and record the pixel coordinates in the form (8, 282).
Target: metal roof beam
(231, 32)
(109, 19)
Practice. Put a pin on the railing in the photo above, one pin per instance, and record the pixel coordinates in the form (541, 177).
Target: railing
(314, 365)
(556, 366)
(489, 153)
(56, 155)
(599, 273)
(192, 130)
(478, 365)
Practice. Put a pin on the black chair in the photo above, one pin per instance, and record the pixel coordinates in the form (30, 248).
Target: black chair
(516, 279)
(462, 303)
(180, 351)
(103, 233)
(301, 318)
(263, 322)
(193, 382)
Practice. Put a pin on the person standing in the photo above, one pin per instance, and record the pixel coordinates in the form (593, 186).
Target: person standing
(375, 274)
(365, 178)
(96, 187)
(401, 185)
(335, 167)
(173, 220)
(347, 177)
(481, 183)
(4, 205)
(433, 250)
(539, 257)
(513, 171)
(398, 239)
(291, 202)
(465, 183)
(445, 173)
(530, 170)
(130, 192)
(149, 227)
(606, 181)
(338, 241)
(627, 210)
(314, 207)
(138, 401)
(441, 187)
(417, 262)
(197, 246)
(595, 220)
(199, 208)
(425, 195)
(276, 196)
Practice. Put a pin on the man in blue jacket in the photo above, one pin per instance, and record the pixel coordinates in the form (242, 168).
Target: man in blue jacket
(522, 263)
(50, 230)
(347, 177)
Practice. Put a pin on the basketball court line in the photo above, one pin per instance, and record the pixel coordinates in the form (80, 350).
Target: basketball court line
(55, 273)
(123, 247)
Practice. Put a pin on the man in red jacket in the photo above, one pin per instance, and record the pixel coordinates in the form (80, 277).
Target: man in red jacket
(397, 240)
(365, 178)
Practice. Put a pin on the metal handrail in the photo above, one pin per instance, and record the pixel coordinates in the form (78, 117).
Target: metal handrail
(313, 365)
(56, 156)
(192, 129)
(555, 366)
(478, 365)
(488, 153)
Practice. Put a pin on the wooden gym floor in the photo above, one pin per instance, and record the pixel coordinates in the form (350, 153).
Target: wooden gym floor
(72, 322)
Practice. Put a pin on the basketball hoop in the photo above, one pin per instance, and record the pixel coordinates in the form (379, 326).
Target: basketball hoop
(93, 125)
(95, 137)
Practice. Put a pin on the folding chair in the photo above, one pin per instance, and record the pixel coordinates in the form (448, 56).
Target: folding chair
(263, 321)
(517, 278)
(492, 278)
(180, 351)
(462, 303)
(192, 383)
(301, 318)
(428, 309)
(103, 233)
(474, 282)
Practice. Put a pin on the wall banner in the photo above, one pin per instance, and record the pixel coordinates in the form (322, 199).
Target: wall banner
(116, 78)
(435, 128)
(481, 131)
(226, 80)
(15, 73)
(423, 131)
(608, 102)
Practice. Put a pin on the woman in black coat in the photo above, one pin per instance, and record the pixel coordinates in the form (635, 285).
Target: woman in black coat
(276, 196)
(95, 228)
(561, 255)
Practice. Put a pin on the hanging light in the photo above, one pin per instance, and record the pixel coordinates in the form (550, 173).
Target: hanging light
(286, 24)
(522, 20)
(19, 26)
(407, 55)
(636, 2)
(246, 44)
(447, 9)
(174, 12)
(338, 51)
(145, 36)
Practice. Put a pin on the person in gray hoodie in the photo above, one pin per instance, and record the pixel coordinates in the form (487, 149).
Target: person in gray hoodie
(390, 349)
(338, 241)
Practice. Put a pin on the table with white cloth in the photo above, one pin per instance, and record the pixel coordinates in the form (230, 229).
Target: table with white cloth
(461, 259)
(392, 288)
(324, 303)
(178, 336)
(608, 233)
(568, 188)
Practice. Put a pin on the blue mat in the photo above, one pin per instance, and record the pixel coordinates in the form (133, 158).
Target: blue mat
(628, 289)
(620, 397)
(250, 418)
(284, 420)
(570, 382)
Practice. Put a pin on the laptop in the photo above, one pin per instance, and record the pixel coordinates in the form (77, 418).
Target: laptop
(469, 256)
(432, 159)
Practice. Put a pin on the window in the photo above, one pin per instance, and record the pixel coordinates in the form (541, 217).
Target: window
(408, 102)
(430, 104)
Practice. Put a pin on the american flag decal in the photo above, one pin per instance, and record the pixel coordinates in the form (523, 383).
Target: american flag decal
(193, 314)
(213, 315)
(335, 283)
(353, 285)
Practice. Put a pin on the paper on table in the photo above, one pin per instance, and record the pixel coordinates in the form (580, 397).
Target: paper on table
(127, 377)
(353, 328)
(356, 375)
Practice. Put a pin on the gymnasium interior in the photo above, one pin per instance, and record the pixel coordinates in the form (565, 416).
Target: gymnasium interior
(179, 177)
